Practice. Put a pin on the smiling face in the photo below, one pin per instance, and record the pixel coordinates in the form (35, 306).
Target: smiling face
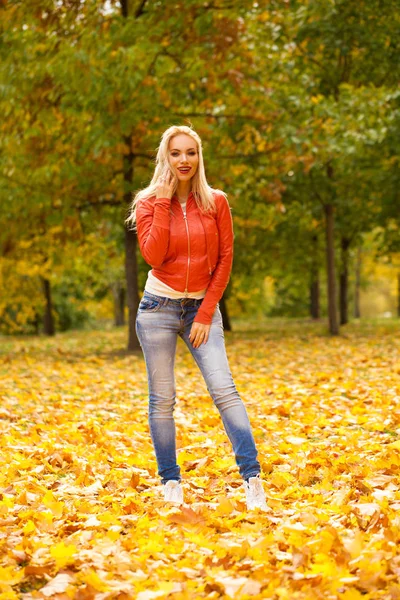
(183, 156)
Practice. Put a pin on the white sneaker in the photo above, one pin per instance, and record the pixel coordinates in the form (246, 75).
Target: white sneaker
(255, 495)
(173, 491)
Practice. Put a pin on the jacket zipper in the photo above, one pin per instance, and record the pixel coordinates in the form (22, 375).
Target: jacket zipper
(188, 265)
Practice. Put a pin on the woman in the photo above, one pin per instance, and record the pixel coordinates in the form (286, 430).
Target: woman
(185, 233)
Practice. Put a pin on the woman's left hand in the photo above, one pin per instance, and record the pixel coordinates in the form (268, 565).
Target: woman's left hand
(199, 334)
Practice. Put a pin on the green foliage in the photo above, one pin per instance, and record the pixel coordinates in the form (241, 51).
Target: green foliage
(68, 303)
(291, 298)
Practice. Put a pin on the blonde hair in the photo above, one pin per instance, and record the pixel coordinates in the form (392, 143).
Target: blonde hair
(202, 192)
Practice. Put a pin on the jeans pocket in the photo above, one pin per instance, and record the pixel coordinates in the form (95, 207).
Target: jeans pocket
(150, 305)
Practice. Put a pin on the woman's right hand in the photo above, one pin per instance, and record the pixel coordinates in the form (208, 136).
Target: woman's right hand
(165, 184)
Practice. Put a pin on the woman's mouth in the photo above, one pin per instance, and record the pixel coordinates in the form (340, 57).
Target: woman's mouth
(184, 170)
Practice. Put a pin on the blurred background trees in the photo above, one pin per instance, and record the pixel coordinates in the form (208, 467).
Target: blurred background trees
(298, 106)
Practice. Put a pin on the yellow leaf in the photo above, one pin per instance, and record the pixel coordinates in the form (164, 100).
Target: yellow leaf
(225, 507)
(50, 501)
(281, 479)
(10, 577)
(8, 595)
(63, 554)
(94, 580)
(29, 527)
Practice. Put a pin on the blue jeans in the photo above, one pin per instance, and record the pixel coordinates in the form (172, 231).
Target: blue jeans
(159, 321)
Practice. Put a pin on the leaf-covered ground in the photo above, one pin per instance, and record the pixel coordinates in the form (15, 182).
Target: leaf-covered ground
(81, 507)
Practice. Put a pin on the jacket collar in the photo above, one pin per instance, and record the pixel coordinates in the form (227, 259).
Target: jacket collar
(175, 197)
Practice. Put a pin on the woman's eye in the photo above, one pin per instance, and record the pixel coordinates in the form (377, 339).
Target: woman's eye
(190, 154)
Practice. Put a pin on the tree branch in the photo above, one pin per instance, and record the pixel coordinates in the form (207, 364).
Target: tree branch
(140, 9)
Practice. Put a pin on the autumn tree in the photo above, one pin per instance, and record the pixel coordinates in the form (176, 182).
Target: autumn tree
(337, 68)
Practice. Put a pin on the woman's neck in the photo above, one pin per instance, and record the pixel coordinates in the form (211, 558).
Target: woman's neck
(183, 190)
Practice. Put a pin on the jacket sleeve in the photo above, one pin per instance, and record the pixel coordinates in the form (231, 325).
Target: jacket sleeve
(222, 272)
(152, 224)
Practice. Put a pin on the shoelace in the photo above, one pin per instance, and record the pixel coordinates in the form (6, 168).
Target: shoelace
(259, 491)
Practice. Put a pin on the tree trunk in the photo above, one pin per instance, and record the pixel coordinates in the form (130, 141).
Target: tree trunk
(132, 294)
(118, 293)
(314, 298)
(330, 259)
(48, 321)
(344, 280)
(357, 312)
(314, 281)
(225, 316)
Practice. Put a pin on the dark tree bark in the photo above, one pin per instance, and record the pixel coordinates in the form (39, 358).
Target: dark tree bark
(225, 316)
(314, 280)
(48, 320)
(330, 259)
(131, 287)
(131, 273)
(132, 294)
(357, 312)
(344, 280)
(118, 293)
(314, 298)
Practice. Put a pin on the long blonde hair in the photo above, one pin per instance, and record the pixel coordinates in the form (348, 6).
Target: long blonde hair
(202, 192)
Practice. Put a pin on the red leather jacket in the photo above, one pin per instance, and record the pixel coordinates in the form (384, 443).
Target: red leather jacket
(188, 254)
